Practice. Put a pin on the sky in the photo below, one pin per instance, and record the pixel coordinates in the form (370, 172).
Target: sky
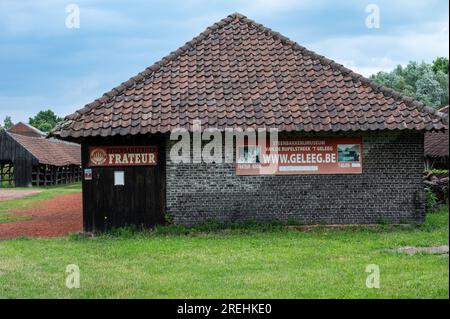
(46, 65)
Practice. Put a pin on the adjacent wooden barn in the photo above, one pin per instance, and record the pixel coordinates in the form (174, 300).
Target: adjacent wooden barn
(351, 151)
(436, 147)
(28, 158)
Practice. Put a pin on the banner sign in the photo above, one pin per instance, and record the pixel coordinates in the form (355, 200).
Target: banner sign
(290, 156)
(123, 155)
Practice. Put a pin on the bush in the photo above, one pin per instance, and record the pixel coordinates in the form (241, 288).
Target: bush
(431, 200)
(439, 171)
(168, 217)
(292, 221)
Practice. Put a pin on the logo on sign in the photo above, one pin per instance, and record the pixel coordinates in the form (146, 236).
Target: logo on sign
(98, 156)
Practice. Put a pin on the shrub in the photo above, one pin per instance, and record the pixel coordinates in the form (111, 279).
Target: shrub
(168, 217)
(431, 200)
(292, 221)
(382, 221)
(439, 171)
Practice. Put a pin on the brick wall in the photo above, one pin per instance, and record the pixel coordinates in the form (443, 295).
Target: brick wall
(389, 190)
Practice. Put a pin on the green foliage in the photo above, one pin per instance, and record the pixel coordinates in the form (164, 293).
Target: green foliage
(429, 90)
(168, 218)
(440, 64)
(427, 83)
(438, 171)
(382, 221)
(7, 123)
(207, 227)
(125, 232)
(442, 79)
(437, 220)
(213, 225)
(431, 200)
(45, 120)
(172, 230)
(292, 221)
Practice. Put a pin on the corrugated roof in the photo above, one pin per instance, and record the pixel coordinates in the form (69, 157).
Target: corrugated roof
(239, 73)
(50, 151)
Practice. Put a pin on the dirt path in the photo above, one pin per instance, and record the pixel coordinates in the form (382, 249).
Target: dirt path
(6, 194)
(54, 217)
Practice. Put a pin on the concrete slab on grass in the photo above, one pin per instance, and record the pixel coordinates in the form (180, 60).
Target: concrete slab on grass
(410, 250)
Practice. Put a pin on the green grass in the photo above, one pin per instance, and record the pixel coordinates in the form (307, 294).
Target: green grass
(27, 202)
(232, 263)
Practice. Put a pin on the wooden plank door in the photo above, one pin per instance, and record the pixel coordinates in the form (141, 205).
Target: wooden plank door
(140, 201)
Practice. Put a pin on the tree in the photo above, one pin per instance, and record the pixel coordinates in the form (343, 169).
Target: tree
(424, 82)
(428, 90)
(442, 78)
(440, 64)
(45, 120)
(7, 123)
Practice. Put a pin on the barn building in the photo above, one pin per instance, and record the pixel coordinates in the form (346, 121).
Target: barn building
(28, 158)
(348, 150)
(436, 147)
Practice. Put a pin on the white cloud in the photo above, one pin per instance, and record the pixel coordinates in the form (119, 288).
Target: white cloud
(96, 19)
(130, 39)
(20, 108)
(47, 18)
(369, 54)
(259, 8)
(69, 95)
(23, 17)
(374, 65)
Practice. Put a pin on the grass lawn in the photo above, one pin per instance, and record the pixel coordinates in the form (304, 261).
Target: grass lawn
(237, 263)
(26, 202)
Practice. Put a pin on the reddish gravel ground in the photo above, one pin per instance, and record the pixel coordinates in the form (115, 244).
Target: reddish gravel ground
(54, 217)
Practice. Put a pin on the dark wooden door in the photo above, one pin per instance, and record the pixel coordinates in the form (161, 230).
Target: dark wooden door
(140, 201)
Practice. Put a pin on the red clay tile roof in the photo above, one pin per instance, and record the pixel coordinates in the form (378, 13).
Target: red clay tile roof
(436, 143)
(239, 73)
(25, 129)
(50, 151)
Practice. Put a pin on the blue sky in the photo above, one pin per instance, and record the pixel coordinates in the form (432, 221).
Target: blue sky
(43, 64)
